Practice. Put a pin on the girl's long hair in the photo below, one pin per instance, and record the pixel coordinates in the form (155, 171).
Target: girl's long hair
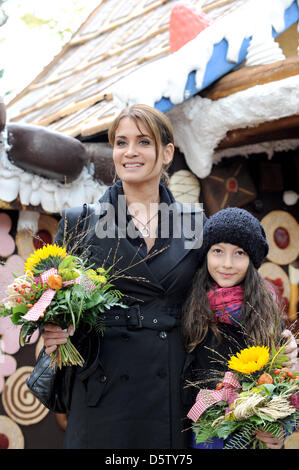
(261, 315)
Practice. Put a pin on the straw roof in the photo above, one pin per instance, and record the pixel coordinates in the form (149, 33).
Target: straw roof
(72, 95)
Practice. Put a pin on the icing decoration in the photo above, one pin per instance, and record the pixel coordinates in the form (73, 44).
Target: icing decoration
(18, 402)
(28, 220)
(217, 50)
(185, 23)
(198, 138)
(264, 51)
(7, 244)
(11, 436)
(282, 231)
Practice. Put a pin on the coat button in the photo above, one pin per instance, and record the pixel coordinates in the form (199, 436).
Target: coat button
(103, 378)
(163, 335)
(124, 377)
(162, 373)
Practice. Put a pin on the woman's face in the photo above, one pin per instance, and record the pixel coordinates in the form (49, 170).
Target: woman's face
(134, 153)
(227, 264)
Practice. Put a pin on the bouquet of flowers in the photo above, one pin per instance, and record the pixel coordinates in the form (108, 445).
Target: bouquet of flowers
(256, 392)
(59, 288)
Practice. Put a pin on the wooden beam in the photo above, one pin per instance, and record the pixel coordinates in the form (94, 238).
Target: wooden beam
(279, 129)
(247, 77)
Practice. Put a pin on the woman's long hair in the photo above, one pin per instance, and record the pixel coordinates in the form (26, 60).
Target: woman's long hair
(261, 316)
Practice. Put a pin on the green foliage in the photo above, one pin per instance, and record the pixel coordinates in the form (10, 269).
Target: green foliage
(4, 312)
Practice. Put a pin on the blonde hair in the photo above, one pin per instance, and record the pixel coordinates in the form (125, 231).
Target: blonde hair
(155, 121)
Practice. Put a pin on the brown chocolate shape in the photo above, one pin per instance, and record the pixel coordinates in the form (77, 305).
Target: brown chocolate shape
(2, 114)
(46, 153)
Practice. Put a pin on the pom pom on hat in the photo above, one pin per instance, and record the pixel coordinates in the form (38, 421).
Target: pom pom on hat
(238, 227)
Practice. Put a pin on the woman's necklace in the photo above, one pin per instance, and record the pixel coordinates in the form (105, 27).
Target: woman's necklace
(145, 230)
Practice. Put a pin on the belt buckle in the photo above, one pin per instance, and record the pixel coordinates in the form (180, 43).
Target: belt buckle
(134, 321)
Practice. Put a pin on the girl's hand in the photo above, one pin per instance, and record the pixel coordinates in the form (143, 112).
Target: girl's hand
(270, 441)
(291, 349)
(54, 335)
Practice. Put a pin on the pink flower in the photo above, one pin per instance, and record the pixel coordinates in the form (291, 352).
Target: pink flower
(294, 400)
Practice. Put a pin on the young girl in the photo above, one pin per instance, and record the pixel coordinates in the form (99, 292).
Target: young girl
(230, 306)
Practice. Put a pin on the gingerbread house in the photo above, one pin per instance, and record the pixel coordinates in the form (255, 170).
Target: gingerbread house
(225, 72)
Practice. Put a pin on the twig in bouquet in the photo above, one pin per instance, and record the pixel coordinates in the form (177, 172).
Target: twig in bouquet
(149, 256)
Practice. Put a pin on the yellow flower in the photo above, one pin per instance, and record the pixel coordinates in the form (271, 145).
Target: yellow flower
(101, 279)
(98, 278)
(101, 271)
(249, 360)
(42, 254)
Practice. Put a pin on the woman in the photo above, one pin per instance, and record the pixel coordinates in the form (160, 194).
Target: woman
(130, 393)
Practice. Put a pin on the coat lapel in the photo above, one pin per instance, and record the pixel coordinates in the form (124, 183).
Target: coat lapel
(183, 241)
(118, 251)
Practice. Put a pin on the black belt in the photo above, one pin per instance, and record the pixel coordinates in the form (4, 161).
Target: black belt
(136, 317)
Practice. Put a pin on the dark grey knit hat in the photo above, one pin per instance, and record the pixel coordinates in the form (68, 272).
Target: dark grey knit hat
(238, 227)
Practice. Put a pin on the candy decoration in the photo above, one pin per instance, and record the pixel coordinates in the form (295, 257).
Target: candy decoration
(186, 22)
(11, 436)
(294, 290)
(276, 275)
(8, 366)
(27, 242)
(228, 185)
(14, 265)
(282, 232)
(7, 244)
(185, 187)
(19, 403)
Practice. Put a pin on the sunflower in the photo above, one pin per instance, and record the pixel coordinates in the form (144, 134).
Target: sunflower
(250, 359)
(49, 256)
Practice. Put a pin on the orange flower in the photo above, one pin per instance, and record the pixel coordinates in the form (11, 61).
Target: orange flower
(265, 379)
(55, 282)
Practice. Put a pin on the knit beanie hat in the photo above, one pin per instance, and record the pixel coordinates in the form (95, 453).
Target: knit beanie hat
(238, 227)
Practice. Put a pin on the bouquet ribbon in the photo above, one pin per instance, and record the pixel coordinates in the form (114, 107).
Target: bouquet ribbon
(206, 398)
(44, 301)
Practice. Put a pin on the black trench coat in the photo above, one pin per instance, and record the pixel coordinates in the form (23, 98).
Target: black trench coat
(131, 397)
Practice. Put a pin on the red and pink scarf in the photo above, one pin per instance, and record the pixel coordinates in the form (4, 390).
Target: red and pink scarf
(226, 303)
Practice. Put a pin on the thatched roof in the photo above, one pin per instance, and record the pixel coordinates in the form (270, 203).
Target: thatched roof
(72, 95)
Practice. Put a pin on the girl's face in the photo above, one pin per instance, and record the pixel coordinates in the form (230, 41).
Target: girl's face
(227, 264)
(134, 153)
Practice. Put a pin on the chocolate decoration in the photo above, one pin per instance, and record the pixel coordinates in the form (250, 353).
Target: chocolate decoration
(2, 114)
(281, 237)
(100, 154)
(46, 153)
